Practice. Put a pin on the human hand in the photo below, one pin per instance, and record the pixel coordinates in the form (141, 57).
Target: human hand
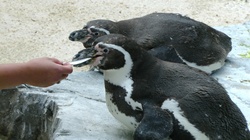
(46, 71)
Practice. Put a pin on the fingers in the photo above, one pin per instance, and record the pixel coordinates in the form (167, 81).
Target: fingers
(67, 68)
(56, 61)
(63, 77)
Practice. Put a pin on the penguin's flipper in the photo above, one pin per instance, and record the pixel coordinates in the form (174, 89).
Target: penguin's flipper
(156, 123)
(166, 53)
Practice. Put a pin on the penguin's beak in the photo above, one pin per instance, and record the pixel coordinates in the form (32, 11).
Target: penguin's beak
(82, 35)
(85, 53)
(96, 53)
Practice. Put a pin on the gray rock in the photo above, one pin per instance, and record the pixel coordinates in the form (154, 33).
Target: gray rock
(27, 116)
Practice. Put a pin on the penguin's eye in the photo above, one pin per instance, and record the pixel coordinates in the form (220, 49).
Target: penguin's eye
(106, 50)
(96, 33)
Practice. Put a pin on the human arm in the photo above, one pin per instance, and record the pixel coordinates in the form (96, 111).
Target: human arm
(40, 72)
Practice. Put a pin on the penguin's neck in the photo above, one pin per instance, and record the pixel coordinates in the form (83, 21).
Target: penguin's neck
(146, 63)
(118, 77)
(124, 27)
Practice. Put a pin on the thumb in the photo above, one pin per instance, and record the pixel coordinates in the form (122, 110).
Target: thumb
(67, 68)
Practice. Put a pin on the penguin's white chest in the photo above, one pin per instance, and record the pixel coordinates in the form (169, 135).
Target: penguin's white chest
(128, 121)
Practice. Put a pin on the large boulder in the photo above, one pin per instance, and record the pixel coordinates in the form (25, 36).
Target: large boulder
(27, 116)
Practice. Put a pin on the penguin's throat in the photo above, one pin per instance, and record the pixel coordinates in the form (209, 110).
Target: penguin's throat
(85, 39)
(96, 60)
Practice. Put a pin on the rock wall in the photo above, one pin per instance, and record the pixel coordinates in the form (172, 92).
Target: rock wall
(27, 116)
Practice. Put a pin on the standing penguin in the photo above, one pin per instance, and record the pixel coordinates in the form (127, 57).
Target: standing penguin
(170, 37)
(159, 99)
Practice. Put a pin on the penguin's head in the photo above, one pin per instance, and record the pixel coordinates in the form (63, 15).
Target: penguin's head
(93, 30)
(114, 52)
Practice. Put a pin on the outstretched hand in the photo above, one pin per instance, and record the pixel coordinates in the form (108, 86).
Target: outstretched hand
(46, 71)
(40, 72)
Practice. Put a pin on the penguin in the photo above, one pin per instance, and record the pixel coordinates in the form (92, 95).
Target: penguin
(168, 36)
(158, 99)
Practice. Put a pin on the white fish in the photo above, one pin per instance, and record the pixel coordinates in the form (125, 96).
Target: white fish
(79, 61)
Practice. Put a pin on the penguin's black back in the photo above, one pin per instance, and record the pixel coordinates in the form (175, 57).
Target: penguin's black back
(182, 33)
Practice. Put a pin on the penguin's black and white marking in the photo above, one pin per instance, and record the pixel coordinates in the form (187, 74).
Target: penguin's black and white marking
(159, 99)
(170, 37)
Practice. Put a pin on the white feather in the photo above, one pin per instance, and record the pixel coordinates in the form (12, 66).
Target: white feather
(173, 106)
(208, 68)
(100, 29)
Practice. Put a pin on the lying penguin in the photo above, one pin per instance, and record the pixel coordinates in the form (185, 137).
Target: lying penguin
(170, 37)
(159, 99)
